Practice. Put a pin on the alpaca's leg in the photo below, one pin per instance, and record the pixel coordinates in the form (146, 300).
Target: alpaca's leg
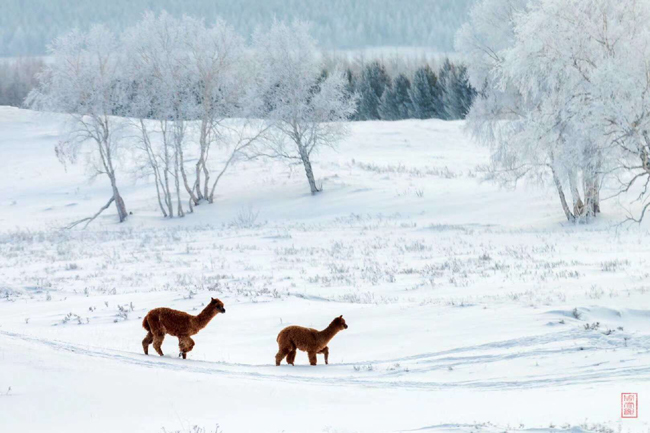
(157, 343)
(326, 352)
(146, 342)
(191, 345)
(185, 344)
(312, 358)
(181, 347)
(284, 351)
(291, 357)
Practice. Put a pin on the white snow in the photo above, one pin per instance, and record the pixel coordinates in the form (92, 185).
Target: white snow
(459, 296)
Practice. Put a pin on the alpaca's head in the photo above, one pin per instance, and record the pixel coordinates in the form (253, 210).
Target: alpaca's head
(217, 305)
(339, 323)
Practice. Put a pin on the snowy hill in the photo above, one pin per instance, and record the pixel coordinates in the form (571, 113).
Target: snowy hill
(470, 308)
(416, 168)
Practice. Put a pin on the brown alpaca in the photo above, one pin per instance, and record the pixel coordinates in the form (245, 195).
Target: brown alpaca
(309, 340)
(161, 321)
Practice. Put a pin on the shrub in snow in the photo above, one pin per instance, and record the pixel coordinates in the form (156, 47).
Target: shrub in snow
(246, 218)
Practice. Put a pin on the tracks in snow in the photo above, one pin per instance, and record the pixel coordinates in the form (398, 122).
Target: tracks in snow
(428, 371)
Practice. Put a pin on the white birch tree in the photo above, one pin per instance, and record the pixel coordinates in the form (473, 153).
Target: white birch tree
(591, 57)
(307, 107)
(164, 91)
(578, 77)
(527, 129)
(217, 57)
(195, 78)
(85, 81)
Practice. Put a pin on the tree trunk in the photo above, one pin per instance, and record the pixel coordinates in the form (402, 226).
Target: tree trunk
(206, 180)
(591, 174)
(107, 161)
(162, 208)
(119, 202)
(121, 207)
(168, 195)
(197, 181)
(210, 196)
(598, 179)
(153, 162)
(560, 191)
(200, 164)
(596, 198)
(591, 191)
(177, 181)
(308, 170)
(189, 189)
(578, 205)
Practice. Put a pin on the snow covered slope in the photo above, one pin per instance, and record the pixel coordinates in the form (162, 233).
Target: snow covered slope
(470, 308)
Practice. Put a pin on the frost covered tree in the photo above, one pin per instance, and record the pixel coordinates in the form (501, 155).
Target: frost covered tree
(593, 62)
(565, 92)
(501, 116)
(163, 88)
(226, 83)
(188, 76)
(152, 156)
(306, 108)
(85, 81)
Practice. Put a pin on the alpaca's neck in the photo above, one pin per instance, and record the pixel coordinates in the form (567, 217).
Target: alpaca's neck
(328, 333)
(204, 317)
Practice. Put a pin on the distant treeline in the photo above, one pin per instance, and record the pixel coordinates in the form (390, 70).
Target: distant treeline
(414, 93)
(17, 79)
(28, 26)
(423, 94)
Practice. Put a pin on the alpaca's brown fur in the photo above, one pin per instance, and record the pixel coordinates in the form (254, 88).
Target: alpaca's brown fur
(309, 340)
(161, 321)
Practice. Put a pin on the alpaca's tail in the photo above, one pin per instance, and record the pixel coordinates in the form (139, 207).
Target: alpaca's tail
(145, 323)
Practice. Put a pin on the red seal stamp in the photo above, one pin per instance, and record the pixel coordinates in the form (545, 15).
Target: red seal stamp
(629, 405)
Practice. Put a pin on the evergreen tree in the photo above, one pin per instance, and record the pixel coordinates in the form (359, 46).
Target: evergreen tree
(448, 94)
(426, 94)
(373, 82)
(396, 102)
(466, 92)
(457, 93)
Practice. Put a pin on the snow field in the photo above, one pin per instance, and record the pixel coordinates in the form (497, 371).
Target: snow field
(470, 308)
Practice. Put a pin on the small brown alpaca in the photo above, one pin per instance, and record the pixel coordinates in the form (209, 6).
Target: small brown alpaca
(309, 340)
(161, 321)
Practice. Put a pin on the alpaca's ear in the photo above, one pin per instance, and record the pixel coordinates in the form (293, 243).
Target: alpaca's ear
(341, 316)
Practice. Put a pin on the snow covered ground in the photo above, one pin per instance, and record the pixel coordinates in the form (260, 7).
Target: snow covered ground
(470, 308)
